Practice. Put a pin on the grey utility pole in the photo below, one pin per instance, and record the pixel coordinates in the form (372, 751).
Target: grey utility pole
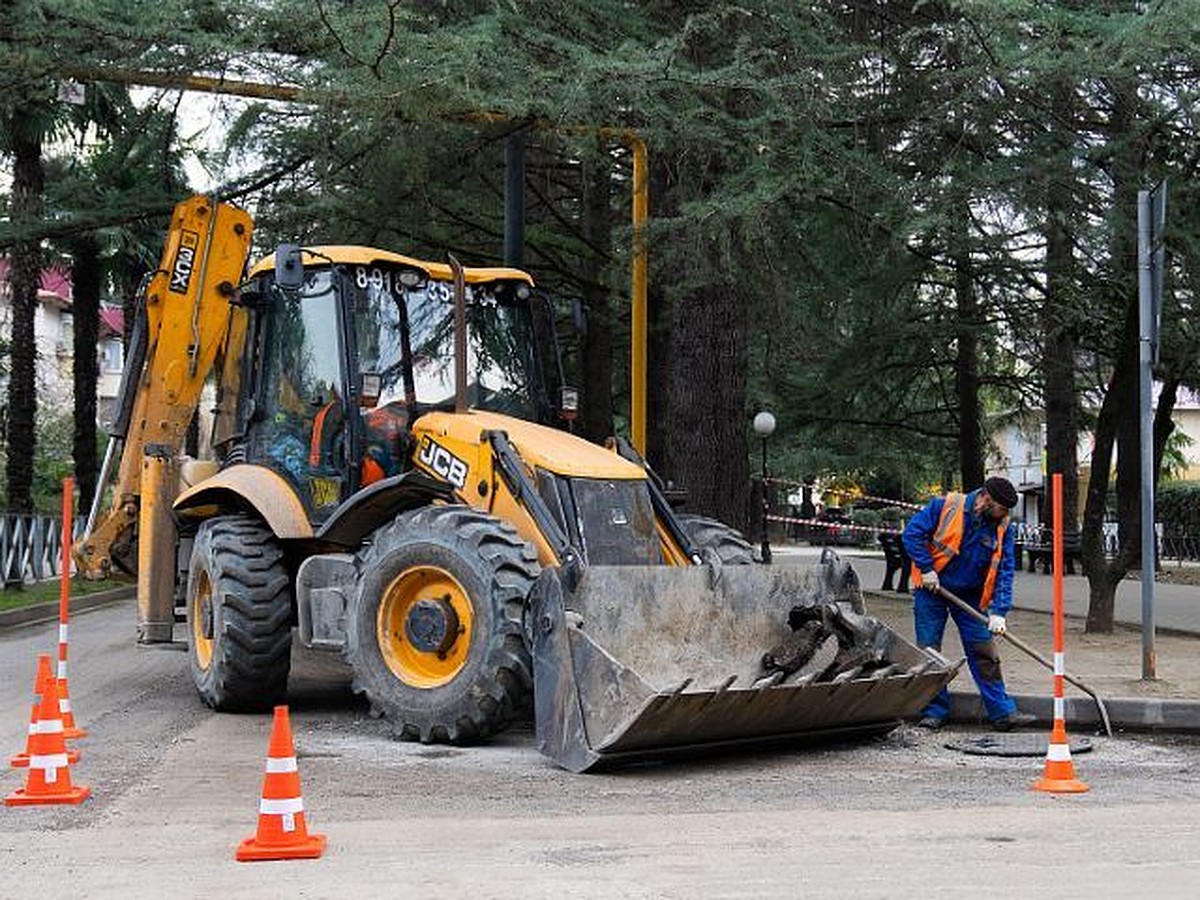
(1152, 206)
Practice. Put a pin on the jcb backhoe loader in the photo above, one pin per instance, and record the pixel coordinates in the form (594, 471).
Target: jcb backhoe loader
(385, 483)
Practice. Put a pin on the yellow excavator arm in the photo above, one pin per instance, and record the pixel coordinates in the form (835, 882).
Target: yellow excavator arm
(189, 311)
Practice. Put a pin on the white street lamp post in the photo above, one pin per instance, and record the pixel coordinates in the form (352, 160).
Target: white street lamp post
(764, 426)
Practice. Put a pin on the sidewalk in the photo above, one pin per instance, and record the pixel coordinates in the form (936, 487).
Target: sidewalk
(1110, 664)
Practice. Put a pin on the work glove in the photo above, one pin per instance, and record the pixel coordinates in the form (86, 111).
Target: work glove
(996, 624)
(929, 581)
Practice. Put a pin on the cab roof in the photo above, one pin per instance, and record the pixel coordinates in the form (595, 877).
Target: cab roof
(345, 254)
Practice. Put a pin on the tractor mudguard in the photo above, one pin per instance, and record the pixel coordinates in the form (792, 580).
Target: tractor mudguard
(641, 662)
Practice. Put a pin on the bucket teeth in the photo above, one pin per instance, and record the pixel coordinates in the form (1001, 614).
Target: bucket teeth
(847, 675)
(923, 667)
(798, 680)
(770, 680)
(681, 687)
(725, 685)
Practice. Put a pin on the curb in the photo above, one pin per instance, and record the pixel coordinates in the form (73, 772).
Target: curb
(47, 612)
(1124, 713)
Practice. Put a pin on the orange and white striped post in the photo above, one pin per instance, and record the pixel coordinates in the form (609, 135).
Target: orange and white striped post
(1059, 774)
(70, 729)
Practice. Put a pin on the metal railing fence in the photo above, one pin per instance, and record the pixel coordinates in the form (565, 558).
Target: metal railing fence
(31, 547)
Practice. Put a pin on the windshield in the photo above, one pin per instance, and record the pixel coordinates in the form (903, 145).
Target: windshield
(405, 335)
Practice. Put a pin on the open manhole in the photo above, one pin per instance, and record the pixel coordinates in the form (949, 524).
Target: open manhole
(1014, 744)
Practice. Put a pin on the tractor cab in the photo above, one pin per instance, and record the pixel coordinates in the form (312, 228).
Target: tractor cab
(344, 352)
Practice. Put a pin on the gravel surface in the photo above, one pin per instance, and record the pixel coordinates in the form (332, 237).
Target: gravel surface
(177, 786)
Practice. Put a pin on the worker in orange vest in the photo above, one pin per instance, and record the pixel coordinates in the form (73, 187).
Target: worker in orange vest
(963, 542)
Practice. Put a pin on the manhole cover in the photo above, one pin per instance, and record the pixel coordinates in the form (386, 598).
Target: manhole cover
(1014, 744)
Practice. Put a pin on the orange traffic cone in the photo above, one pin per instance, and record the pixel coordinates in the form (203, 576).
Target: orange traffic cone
(1059, 775)
(49, 779)
(281, 830)
(21, 760)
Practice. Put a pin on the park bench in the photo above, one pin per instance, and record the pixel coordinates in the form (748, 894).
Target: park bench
(1039, 551)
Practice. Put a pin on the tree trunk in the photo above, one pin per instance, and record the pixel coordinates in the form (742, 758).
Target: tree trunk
(1061, 401)
(659, 340)
(85, 278)
(21, 436)
(966, 372)
(597, 388)
(1104, 576)
(1117, 423)
(703, 347)
(707, 449)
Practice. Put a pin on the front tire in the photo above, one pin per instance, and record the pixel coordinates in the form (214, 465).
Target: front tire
(435, 639)
(239, 615)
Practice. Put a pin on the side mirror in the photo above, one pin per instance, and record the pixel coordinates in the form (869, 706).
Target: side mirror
(369, 390)
(289, 267)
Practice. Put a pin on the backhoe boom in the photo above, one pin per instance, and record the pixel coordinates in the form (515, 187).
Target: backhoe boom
(188, 310)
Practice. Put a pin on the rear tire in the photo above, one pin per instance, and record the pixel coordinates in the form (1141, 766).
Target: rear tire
(709, 534)
(239, 615)
(435, 637)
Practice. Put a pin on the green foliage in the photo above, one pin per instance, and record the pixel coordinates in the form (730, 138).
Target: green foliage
(52, 463)
(1177, 507)
(48, 592)
(865, 188)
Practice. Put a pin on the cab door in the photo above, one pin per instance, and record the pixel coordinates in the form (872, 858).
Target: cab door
(300, 413)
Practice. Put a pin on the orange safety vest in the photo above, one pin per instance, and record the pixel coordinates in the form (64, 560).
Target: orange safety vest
(946, 542)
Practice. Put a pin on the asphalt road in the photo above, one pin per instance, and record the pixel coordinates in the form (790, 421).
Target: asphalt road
(175, 787)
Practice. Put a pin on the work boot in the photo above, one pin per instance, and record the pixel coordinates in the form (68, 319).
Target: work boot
(1015, 719)
(932, 723)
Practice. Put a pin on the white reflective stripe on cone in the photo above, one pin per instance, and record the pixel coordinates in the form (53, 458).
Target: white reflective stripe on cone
(62, 634)
(280, 807)
(64, 706)
(50, 763)
(281, 764)
(1058, 753)
(1059, 669)
(62, 670)
(46, 726)
(1060, 708)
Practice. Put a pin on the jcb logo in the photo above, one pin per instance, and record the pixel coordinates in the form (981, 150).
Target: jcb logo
(185, 261)
(442, 462)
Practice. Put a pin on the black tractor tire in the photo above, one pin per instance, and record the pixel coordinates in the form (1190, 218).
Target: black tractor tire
(709, 534)
(239, 615)
(484, 681)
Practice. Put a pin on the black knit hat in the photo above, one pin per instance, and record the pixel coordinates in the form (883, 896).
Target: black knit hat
(1002, 491)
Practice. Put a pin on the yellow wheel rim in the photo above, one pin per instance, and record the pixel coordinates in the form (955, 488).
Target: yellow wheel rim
(424, 626)
(202, 622)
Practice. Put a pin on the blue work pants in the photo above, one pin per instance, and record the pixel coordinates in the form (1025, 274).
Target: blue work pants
(930, 617)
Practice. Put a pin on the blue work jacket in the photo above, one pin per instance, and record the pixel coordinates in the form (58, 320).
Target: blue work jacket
(964, 575)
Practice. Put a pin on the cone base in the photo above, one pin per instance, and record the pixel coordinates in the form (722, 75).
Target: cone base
(74, 734)
(21, 760)
(250, 850)
(20, 797)
(1060, 786)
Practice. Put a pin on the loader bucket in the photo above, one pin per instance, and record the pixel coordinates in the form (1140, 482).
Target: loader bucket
(637, 662)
